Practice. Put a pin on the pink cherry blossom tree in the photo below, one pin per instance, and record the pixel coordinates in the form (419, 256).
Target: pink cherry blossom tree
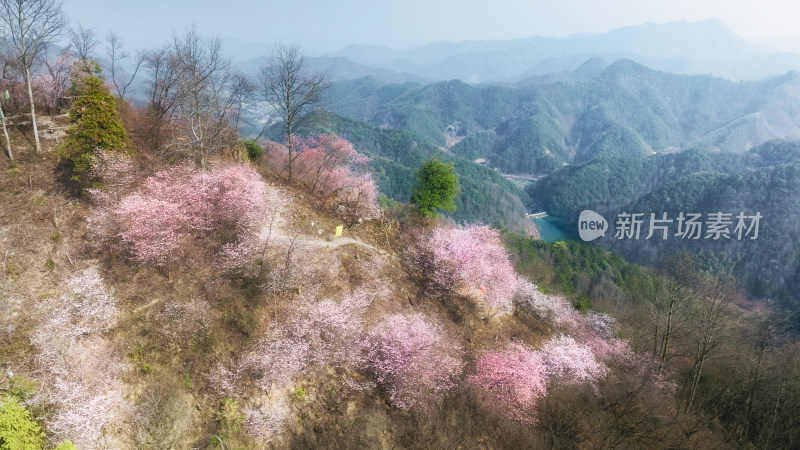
(414, 359)
(468, 259)
(80, 372)
(554, 309)
(225, 206)
(510, 382)
(567, 360)
(333, 170)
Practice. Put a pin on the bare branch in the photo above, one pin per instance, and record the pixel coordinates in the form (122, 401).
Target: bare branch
(85, 41)
(116, 54)
(294, 94)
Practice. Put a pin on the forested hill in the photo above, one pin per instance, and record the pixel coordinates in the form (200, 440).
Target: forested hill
(624, 109)
(763, 180)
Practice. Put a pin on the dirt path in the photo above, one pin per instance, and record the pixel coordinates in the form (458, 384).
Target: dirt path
(311, 242)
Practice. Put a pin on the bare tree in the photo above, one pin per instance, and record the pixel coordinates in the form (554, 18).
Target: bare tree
(161, 66)
(293, 93)
(208, 94)
(243, 90)
(5, 66)
(85, 41)
(28, 26)
(163, 81)
(668, 300)
(710, 321)
(116, 54)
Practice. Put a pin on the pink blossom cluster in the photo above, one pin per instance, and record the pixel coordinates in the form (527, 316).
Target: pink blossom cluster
(596, 330)
(115, 169)
(320, 333)
(552, 308)
(568, 360)
(414, 359)
(610, 349)
(277, 359)
(510, 382)
(154, 222)
(333, 329)
(601, 324)
(331, 168)
(470, 258)
(88, 307)
(85, 412)
(79, 369)
(50, 85)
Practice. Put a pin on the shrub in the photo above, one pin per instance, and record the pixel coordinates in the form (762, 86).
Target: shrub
(413, 359)
(267, 421)
(254, 151)
(321, 332)
(470, 258)
(17, 430)
(554, 309)
(582, 303)
(510, 382)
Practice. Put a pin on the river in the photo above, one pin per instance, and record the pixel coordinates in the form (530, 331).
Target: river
(552, 229)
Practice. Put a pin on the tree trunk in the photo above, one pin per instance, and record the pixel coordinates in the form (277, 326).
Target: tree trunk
(668, 330)
(289, 138)
(33, 108)
(5, 132)
(753, 381)
(655, 342)
(695, 382)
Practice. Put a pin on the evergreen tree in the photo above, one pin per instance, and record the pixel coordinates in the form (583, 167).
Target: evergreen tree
(17, 430)
(436, 187)
(95, 125)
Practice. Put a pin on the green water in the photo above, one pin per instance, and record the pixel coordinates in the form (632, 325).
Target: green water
(552, 229)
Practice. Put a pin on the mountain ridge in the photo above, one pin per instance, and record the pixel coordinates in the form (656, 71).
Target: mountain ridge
(707, 46)
(623, 108)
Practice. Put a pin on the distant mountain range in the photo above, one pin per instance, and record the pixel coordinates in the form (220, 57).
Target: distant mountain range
(707, 47)
(623, 109)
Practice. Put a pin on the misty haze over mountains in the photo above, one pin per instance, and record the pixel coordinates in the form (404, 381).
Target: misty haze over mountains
(707, 47)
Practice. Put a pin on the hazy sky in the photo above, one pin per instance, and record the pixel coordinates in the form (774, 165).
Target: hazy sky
(326, 25)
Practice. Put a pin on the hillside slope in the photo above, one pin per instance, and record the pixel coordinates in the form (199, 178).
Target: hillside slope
(112, 347)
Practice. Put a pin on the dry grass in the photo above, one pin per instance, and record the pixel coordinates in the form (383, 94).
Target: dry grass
(178, 324)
